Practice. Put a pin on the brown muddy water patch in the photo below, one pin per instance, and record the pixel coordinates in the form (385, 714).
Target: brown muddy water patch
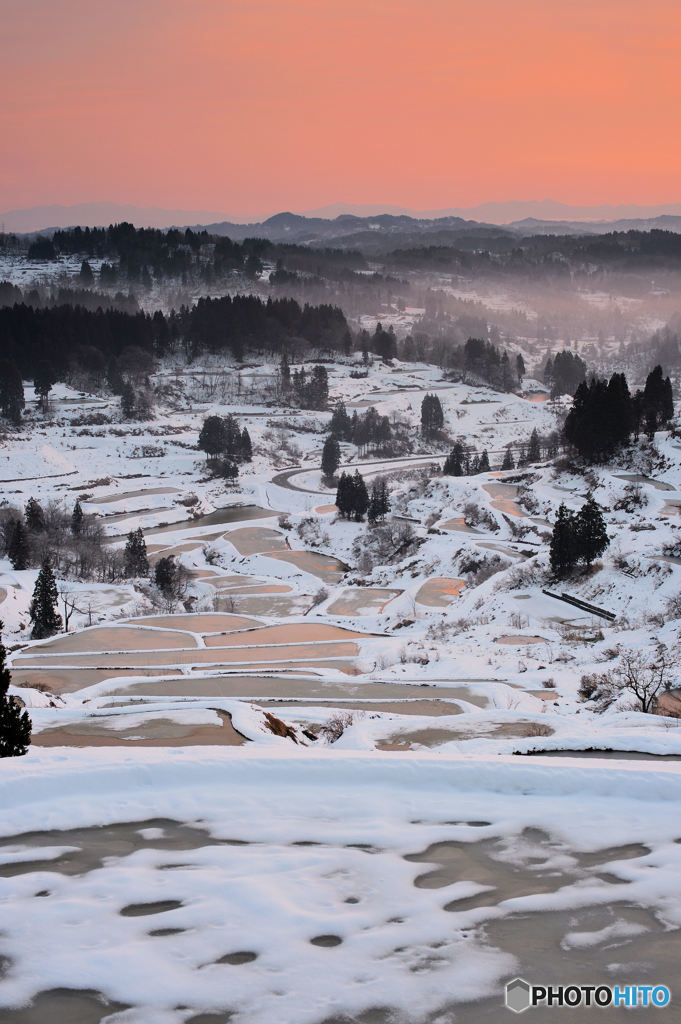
(504, 498)
(268, 606)
(459, 524)
(440, 591)
(280, 687)
(230, 514)
(201, 622)
(156, 731)
(294, 632)
(362, 601)
(623, 941)
(126, 495)
(325, 567)
(428, 708)
(258, 588)
(254, 540)
(116, 638)
(71, 680)
(212, 656)
(433, 737)
(94, 845)
(63, 1006)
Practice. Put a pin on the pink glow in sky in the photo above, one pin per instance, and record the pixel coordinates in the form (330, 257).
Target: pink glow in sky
(252, 106)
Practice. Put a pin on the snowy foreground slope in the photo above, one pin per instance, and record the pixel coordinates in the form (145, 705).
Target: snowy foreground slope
(308, 795)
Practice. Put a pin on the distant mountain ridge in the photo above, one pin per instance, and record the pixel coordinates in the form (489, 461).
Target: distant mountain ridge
(342, 220)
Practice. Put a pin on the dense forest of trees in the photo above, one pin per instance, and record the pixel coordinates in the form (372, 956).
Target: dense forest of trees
(225, 445)
(369, 430)
(74, 339)
(564, 372)
(605, 415)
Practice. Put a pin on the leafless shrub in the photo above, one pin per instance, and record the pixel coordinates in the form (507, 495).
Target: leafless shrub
(443, 630)
(549, 683)
(335, 726)
(284, 522)
(385, 544)
(478, 515)
(311, 532)
(642, 675)
(320, 597)
(673, 607)
(211, 554)
(632, 497)
(414, 656)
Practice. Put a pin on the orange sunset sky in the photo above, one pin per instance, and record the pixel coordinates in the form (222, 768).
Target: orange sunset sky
(253, 106)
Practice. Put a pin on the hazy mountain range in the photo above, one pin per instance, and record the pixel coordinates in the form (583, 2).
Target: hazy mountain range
(339, 220)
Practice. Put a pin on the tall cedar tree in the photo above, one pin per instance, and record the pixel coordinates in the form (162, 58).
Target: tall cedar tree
(77, 519)
(246, 446)
(360, 496)
(15, 724)
(563, 551)
(45, 377)
(135, 555)
(340, 425)
(331, 456)
(18, 548)
(11, 391)
(379, 503)
(483, 465)
(455, 461)
(432, 417)
(34, 516)
(212, 437)
(43, 610)
(592, 536)
(508, 458)
(352, 497)
(533, 448)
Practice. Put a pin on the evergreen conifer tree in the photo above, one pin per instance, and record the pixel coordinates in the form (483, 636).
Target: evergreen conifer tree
(533, 448)
(15, 724)
(212, 437)
(432, 416)
(11, 391)
(285, 374)
(483, 466)
(246, 446)
(43, 380)
(379, 502)
(508, 462)
(564, 546)
(344, 496)
(34, 516)
(331, 456)
(341, 424)
(77, 519)
(592, 536)
(360, 496)
(135, 555)
(454, 463)
(18, 550)
(43, 610)
(128, 401)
